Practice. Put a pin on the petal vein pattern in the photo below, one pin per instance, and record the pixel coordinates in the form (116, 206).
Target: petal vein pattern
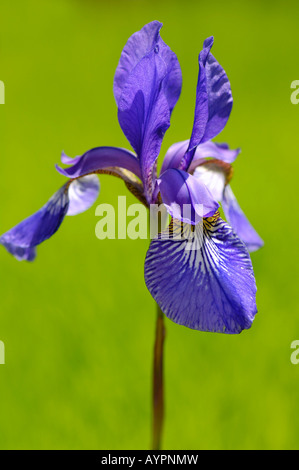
(204, 282)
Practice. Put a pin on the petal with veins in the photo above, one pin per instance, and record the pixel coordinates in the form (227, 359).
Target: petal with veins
(206, 282)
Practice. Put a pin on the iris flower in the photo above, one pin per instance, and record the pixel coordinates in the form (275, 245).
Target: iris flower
(204, 279)
(211, 288)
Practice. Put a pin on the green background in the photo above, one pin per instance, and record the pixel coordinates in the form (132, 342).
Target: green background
(78, 324)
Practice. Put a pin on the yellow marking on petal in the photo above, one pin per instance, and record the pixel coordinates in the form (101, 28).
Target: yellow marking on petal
(211, 220)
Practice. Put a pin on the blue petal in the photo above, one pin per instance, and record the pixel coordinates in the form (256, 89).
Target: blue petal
(174, 155)
(176, 152)
(201, 114)
(21, 240)
(100, 158)
(144, 115)
(139, 45)
(206, 282)
(69, 160)
(147, 86)
(185, 197)
(219, 97)
(237, 219)
(220, 151)
(213, 102)
(74, 197)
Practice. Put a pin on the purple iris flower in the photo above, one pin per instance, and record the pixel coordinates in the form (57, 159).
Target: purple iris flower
(210, 285)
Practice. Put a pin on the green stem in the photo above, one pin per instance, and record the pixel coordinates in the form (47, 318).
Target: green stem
(158, 390)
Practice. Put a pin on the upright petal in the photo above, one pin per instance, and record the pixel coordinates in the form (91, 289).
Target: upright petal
(185, 197)
(143, 113)
(213, 102)
(139, 45)
(201, 114)
(206, 282)
(237, 219)
(74, 197)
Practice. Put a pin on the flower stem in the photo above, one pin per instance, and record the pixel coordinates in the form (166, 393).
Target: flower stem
(158, 389)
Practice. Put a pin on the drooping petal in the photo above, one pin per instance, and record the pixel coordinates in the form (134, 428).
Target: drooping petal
(22, 239)
(82, 193)
(139, 45)
(213, 101)
(72, 198)
(185, 197)
(204, 282)
(237, 219)
(100, 158)
(176, 152)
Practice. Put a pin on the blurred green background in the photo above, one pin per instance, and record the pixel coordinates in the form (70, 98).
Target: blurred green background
(78, 324)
